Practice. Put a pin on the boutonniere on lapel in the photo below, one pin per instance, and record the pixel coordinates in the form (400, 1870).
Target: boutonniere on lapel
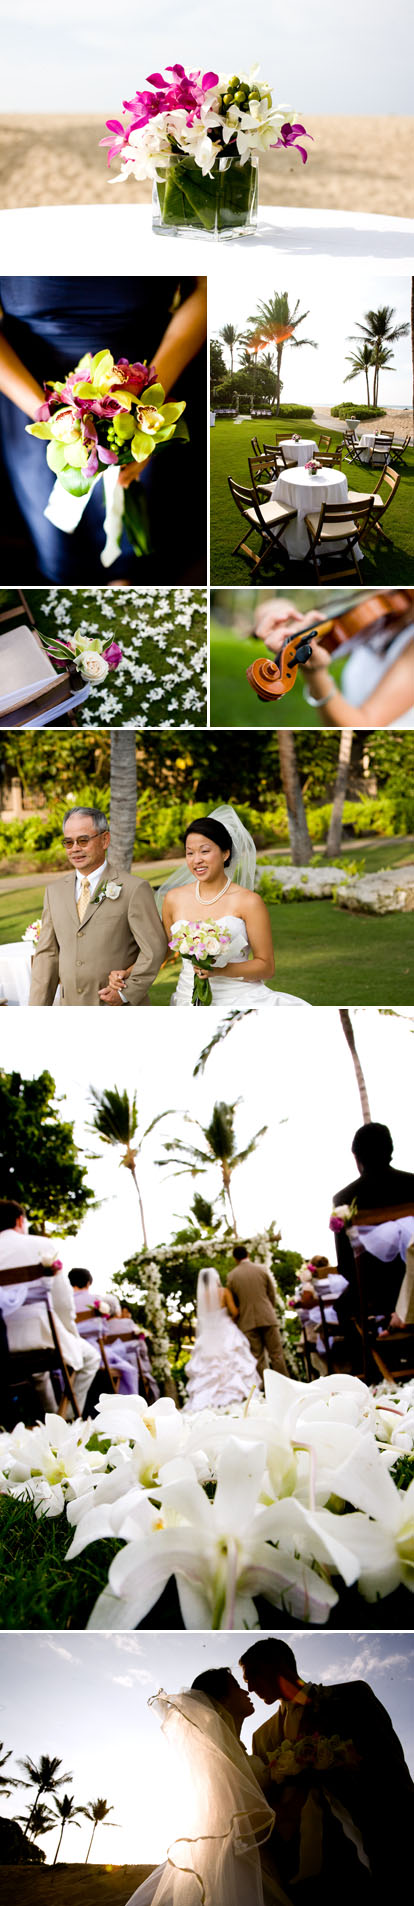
(110, 891)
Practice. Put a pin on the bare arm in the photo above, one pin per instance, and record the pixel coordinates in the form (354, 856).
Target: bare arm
(17, 383)
(262, 964)
(392, 697)
(229, 1303)
(184, 336)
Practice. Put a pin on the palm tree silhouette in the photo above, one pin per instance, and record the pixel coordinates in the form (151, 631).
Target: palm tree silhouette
(45, 1778)
(380, 330)
(230, 337)
(220, 1150)
(361, 360)
(6, 1780)
(98, 1811)
(278, 326)
(37, 1820)
(116, 1122)
(66, 1813)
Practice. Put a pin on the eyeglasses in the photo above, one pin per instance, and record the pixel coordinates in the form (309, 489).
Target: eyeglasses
(81, 840)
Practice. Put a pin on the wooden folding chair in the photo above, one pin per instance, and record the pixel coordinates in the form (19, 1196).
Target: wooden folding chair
(400, 445)
(324, 441)
(342, 523)
(51, 694)
(24, 1365)
(393, 1352)
(267, 517)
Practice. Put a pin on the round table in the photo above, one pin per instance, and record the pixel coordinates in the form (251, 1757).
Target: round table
(297, 452)
(15, 970)
(301, 491)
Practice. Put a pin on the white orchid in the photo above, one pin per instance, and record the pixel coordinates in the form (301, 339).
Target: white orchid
(222, 1553)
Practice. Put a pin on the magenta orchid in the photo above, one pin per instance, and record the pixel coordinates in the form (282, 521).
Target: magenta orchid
(290, 135)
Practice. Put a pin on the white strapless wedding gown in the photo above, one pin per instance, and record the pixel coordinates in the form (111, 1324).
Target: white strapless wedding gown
(221, 1369)
(233, 994)
(367, 666)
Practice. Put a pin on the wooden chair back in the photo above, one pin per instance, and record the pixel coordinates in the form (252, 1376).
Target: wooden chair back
(324, 441)
(393, 1353)
(25, 1364)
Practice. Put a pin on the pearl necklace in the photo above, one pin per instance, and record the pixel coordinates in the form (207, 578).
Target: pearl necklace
(217, 896)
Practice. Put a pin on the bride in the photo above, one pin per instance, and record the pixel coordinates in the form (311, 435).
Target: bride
(224, 1815)
(221, 1369)
(220, 867)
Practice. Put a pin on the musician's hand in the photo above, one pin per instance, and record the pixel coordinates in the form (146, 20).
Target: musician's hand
(318, 659)
(275, 621)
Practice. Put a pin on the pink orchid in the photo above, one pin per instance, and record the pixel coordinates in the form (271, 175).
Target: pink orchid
(289, 136)
(113, 655)
(185, 94)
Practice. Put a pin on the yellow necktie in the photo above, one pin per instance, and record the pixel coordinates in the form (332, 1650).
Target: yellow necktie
(84, 898)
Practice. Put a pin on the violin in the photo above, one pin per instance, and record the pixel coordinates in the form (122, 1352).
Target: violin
(383, 614)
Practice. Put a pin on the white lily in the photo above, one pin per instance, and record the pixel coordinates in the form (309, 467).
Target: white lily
(381, 1531)
(222, 1553)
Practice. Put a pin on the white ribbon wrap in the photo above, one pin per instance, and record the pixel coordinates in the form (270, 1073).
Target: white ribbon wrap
(65, 511)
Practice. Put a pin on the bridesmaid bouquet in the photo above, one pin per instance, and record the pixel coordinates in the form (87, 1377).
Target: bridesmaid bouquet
(105, 414)
(200, 941)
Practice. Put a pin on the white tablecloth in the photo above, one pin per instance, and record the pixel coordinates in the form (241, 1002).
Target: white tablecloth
(15, 969)
(298, 452)
(78, 237)
(305, 493)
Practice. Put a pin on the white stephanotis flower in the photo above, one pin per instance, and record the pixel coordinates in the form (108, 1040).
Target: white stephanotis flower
(223, 1553)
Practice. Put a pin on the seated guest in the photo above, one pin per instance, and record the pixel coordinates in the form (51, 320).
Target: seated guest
(109, 1316)
(319, 1279)
(379, 1185)
(24, 1308)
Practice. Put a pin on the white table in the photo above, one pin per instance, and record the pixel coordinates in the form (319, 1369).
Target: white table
(297, 453)
(301, 491)
(76, 238)
(367, 439)
(15, 970)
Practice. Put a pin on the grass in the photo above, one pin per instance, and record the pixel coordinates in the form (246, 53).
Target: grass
(163, 667)
(325, 955)
(76, 1885)
(230, 449)
(233, 703)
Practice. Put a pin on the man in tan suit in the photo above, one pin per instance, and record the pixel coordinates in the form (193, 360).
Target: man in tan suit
(93, 925)
(254, 1290)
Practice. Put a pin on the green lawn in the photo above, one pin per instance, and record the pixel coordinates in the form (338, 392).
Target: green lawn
(233, 703)
(230, 449)
(325, 955)
(162, 632)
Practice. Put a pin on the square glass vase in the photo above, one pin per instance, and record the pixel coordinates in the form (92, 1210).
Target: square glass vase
(221, 205)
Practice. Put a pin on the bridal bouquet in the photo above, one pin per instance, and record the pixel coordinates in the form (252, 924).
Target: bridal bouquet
(32, 932)
(200, 941)
(198, 135)
(105, 414)
(315, 1753)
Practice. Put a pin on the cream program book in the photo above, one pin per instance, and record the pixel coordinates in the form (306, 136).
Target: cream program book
(25, 669)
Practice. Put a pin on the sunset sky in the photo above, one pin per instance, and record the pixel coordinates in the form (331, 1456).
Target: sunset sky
(84, 1698)
(301, 1084)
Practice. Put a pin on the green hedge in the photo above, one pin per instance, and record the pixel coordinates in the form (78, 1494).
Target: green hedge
(357, 410)
(160, 829)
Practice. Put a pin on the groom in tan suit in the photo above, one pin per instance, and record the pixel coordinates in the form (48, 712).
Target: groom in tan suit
(254, 1290)
(93, 924)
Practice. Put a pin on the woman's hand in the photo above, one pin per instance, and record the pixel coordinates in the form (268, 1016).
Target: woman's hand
(275, 621)
(319, 658)
(131, 472)
(119, 975)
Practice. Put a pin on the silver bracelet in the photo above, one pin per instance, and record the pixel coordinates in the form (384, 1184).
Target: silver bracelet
(311, 700)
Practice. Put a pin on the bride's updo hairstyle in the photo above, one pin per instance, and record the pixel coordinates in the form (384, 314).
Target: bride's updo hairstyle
(214, 831)
(215, 1682)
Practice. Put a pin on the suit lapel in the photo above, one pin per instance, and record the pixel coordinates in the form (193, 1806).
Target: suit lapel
(70, 897)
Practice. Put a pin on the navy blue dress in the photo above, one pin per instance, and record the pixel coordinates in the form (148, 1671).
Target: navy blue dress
(51, 323)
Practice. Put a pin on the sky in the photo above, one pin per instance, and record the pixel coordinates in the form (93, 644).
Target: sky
(291, 1070)
(88, 56)
(85, 1699)
(317, 377)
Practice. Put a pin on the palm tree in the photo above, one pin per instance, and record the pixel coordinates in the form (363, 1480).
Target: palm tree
(67, 1813)
(45, 1777)
(116, 1122)
(380, 329)
(220, 1143)
(362, 361)
(335, 825)
(412, 336)
(36, 1821)
(6, 1780)
(123, 797)
(348, 1031)
(278, 325)
(300, 841)
(230, 337)
(98, 1812)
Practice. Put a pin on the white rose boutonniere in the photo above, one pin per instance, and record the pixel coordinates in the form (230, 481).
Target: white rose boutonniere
(110, 891)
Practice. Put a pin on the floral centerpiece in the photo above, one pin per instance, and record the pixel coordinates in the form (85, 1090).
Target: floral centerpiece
(198, 136)
(200, 941)
(103, 415)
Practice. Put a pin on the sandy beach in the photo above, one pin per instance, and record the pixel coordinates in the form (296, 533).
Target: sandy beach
(355, 164)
